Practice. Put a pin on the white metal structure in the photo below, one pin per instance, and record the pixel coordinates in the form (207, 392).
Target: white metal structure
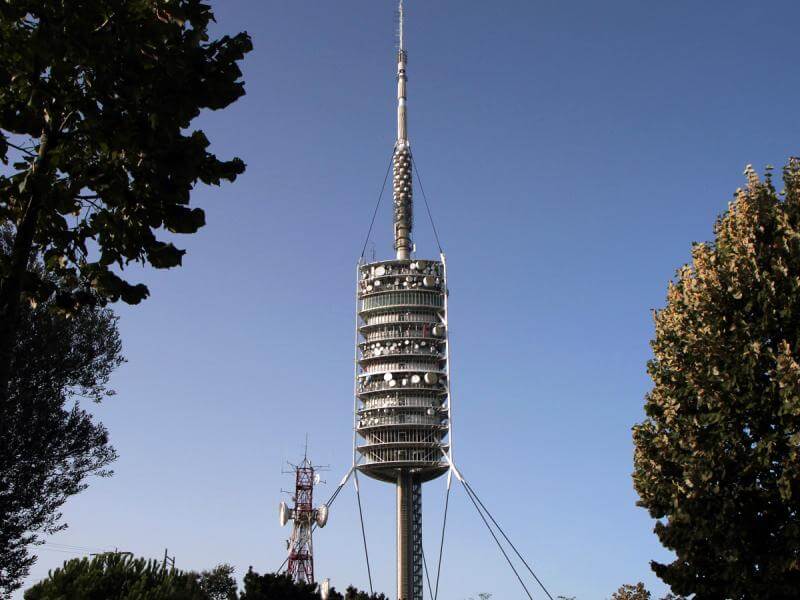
(402, 404)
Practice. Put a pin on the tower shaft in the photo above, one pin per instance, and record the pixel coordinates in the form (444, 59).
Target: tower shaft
(409, 537)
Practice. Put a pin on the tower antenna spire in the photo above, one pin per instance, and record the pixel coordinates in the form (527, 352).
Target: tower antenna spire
(400, 30)
(401, 175)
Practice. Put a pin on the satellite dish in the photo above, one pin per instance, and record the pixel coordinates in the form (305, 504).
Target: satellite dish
(316, 479)
(428, 281)
(380, 271)
(431, 378)
(284, 513)
(322, 515)
(388, 376)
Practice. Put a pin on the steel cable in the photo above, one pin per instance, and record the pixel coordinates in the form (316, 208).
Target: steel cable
(500, 529)
(435, 596)
(499, 545)
(427, 206)
(363, 531)
(377, 204)
(427, 573)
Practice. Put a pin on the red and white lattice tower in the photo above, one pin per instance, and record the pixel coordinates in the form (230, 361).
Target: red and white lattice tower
(300, 562)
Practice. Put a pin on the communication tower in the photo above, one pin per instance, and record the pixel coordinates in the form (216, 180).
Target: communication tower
(402, 388)
(300, 546)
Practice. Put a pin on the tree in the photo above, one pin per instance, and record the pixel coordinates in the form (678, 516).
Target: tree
(631, 592)
(276, 586)
(219, 583)
(717, 459)
(117, 577)
(96, 105)
(281, 586)
(353, 593)
(49, 445)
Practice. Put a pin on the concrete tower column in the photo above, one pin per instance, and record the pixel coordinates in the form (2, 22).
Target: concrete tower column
(405, 524)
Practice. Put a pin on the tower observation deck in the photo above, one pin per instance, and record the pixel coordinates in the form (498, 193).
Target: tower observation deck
(402, 377)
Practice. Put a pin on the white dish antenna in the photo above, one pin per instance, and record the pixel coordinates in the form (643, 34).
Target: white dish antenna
(284, 514)
(322, 515)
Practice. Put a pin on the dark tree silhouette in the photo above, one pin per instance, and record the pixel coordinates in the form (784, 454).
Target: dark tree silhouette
(49, 445)
(97, 102)
(631, 592)
(219, 583)
(274, 586)
(115, 577)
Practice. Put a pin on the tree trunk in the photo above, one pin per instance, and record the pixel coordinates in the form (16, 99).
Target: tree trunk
(11, 287)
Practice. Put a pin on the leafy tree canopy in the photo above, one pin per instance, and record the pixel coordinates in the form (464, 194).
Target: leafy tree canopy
(50, 445)
(631, 592)
(117, 577)
(97, 99)
(717, 460)
(275, 586)
(638, 592)
(219, 583)
(352, 593)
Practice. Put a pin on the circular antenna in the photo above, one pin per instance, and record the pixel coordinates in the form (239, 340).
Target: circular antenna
(284, 514)
(316, 479)
(322, 515)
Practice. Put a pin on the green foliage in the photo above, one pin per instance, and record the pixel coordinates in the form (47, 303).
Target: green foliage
(219, 583)
(49, 445)
(352, 593)
(631, 592)
(273, 586)
(717, 460)
(98, 98)
(117, 577)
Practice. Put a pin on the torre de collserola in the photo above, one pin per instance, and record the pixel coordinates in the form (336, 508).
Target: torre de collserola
(402, 409)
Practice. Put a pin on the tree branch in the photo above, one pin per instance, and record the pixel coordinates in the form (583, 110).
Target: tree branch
(21, 149)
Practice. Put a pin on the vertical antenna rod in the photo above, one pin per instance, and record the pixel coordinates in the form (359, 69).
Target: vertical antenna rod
(401, 174)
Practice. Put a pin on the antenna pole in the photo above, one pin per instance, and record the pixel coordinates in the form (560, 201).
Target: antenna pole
(401, 175)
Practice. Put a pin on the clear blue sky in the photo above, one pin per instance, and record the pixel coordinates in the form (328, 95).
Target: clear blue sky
(572, 151)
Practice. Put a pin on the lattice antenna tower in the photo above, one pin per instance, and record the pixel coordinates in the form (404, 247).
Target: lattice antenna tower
(304, 517)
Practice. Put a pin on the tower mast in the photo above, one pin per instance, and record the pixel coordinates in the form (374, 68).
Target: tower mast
(402, 386)
(402, 165)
